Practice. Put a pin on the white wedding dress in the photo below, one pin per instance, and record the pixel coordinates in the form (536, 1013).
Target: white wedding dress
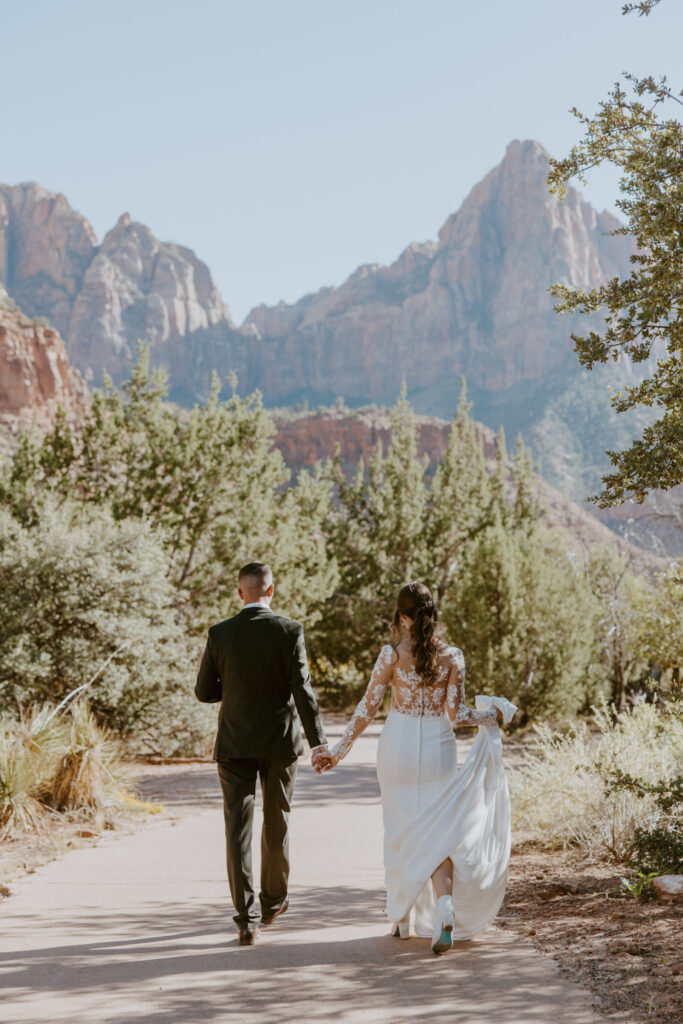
(431, 808)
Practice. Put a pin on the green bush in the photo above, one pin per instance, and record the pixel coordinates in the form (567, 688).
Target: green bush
(87, 599)
(659, 848)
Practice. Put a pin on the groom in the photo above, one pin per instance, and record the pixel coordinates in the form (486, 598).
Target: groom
(255, 665)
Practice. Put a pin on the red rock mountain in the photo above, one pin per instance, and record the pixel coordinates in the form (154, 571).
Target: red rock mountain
(473, 303)
(35, 374)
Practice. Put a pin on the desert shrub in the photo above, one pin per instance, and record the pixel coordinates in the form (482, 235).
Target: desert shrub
(178, 727)
(21, 779)
(86, 598)
(56, 760)
(659, 848)
(563, 794)
(88, 772)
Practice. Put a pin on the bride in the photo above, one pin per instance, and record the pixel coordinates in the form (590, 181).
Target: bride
(446, 830)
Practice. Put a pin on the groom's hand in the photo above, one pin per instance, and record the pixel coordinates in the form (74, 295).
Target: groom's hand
(319, 757)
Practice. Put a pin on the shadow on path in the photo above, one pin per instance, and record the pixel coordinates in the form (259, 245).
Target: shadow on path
(188, 955)
(200, 788)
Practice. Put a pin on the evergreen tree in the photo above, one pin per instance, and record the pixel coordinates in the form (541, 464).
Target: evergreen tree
(636, 130)
(618, 595)
(209, 482)
(377, 536)
(523, 616)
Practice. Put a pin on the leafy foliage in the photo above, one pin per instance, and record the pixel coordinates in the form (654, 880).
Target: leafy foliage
(637, 132)
(509, 612)
(83, 596)
(659, 848)
(207, 481)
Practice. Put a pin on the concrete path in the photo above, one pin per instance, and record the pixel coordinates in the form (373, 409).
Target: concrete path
(138, 928)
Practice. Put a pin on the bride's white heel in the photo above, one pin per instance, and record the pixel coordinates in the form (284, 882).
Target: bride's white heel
(402, 928)
(442, 936)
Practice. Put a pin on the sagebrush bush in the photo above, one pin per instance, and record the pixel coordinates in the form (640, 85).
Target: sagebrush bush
(562, 792)
(85, 597)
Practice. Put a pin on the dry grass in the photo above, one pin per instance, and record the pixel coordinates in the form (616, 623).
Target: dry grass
(559, 794)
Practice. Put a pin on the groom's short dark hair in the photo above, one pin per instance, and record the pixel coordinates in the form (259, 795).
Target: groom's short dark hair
(258, 574)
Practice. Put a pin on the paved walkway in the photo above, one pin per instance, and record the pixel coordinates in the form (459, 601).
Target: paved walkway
(138, 928)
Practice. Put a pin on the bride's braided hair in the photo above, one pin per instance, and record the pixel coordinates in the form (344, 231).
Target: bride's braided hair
(415, 601)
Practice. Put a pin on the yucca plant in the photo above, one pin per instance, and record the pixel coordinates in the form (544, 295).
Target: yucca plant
(89, 773)
(21, 778)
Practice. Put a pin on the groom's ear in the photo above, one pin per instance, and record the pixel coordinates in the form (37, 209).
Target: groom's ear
(271, 590)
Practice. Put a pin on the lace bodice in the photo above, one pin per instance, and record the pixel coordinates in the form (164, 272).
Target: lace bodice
(410, 696)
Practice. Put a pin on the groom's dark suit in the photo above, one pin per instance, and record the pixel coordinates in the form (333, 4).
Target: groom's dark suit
(255, 665)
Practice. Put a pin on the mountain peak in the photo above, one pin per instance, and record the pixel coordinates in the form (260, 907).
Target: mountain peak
(525, 149)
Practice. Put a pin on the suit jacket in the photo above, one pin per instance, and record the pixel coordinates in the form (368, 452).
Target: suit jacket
(255, 665)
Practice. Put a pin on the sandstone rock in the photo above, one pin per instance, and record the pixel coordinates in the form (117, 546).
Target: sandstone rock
(105, 299)
(669, 887)
(475, 303)
(35, 374)
(45, 249)
(139, 289)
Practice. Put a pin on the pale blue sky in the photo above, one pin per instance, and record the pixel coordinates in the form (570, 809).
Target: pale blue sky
(289, 141)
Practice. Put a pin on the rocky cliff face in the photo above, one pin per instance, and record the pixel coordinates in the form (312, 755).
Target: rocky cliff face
(35, 374)
(105, 299)
(45, 250)
(473, 303)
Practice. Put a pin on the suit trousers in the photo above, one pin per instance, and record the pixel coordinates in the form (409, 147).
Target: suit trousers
(238, 777)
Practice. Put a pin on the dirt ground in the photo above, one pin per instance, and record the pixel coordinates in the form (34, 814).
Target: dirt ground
(628, 953)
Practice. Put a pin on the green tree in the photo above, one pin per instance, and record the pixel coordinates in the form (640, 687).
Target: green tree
(636, 130)
(523, 615)
(618, 593)
(209, 482)
(376, 532)
(659, 613)
(393, 522)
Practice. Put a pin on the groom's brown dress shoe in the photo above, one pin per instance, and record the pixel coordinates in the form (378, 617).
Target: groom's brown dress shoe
(248, 936)
(267, 919)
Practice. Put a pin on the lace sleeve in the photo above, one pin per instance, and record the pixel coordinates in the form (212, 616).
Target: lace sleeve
(368, 705)
(457, 710)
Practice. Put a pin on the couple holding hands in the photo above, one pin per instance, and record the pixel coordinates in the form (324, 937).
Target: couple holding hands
(446, 829)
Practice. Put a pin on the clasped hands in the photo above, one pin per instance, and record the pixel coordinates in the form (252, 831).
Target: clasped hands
(322, 760)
